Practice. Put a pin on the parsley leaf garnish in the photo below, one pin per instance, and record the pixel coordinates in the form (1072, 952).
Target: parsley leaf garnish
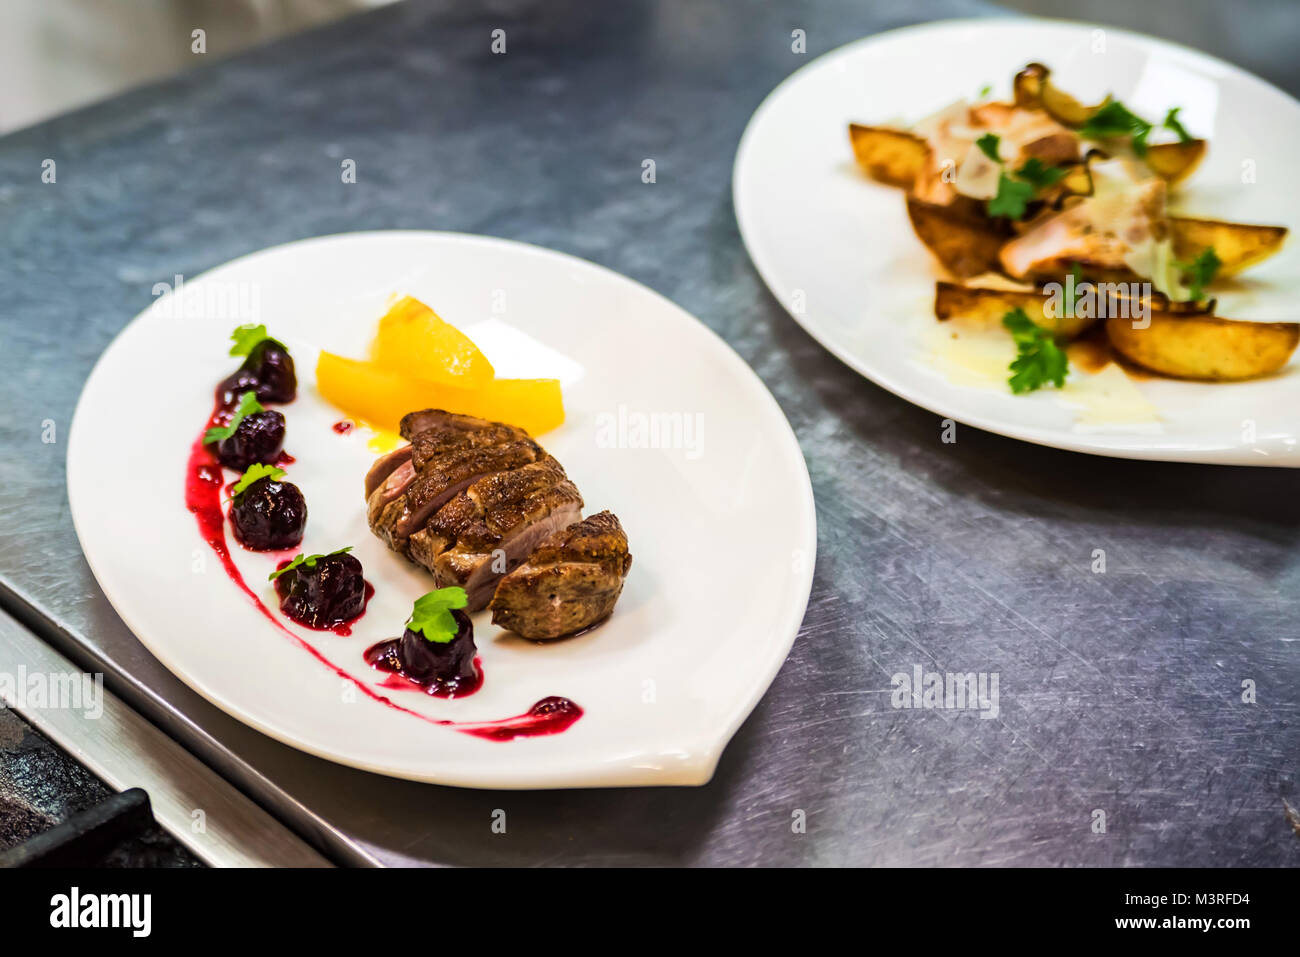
(246, 337)
(301, 559)
(1076, 276)
(248, 404)
(1014, 194)
(1038, 174)
(432, 615)
(1039, 360)
(1172, 123)
(255, 471)
(1200, 271)
(1139, 141)
(1011, 198)
(985, 90)
(1113, 120)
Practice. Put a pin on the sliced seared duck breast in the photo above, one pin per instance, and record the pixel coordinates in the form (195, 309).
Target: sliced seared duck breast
(493, 525)
(570, 582)
(473, 500)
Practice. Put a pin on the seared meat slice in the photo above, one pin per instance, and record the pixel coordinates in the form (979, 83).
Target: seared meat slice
(445, 433)
(473, 501)
(479, 558)
(390, 489)
(570, 582)
(490, 528)
(493, 495)
(482, 553)
(385, 466)
(415, 422)
(441, 479)
(447, 475)
(443, 440)
(435, 433)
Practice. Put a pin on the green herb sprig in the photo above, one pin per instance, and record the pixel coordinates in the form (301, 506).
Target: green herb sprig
(432, 614)
(309, 560)
(248, 404)
(246, 337)
(1012, 198)
(1016, 190)
(988, 144)
(1172, 123)
(1116, 120)
(1076, 276)
(256, 472)
(1200, 272)
(1039, 360)
(1038, 174)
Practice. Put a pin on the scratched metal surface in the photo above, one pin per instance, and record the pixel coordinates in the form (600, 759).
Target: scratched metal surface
(41, 786)
(1119, 691)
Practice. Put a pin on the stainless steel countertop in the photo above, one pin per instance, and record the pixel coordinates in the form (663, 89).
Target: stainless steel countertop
(1119, 691)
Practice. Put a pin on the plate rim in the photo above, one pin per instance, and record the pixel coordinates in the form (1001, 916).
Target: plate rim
(1047, 438)
(703, 753)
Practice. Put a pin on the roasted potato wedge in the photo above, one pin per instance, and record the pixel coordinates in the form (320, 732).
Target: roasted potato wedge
(1203, 346)
(895, 157)
(1174, 162)
(1238, 245)
(953, 301)
(961, 237)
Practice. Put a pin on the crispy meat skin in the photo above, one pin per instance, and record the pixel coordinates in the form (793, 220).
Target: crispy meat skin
(478, 568)
(444, 476)
(570, 582)
(395, 519)
(415, 422)
(438, 441)
(439, 434)
(508, 511)
(598, 538)
(470, 499)
(492, 506)
(448, 452)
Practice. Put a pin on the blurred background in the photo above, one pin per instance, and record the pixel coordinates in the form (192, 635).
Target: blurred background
(56, 55)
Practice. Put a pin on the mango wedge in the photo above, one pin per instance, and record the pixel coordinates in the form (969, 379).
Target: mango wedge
(414, 340)
(380, 396)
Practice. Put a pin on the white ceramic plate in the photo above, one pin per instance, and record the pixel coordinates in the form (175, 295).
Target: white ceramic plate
(721, 522)
(838, 252)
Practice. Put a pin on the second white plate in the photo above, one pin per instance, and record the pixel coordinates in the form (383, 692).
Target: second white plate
(838, 252)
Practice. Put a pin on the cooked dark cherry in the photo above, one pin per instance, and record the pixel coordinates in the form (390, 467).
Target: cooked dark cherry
(258, 438)
(268, 372)
(443, 668)
(269, 515)
(325, 594)
(448, 662)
